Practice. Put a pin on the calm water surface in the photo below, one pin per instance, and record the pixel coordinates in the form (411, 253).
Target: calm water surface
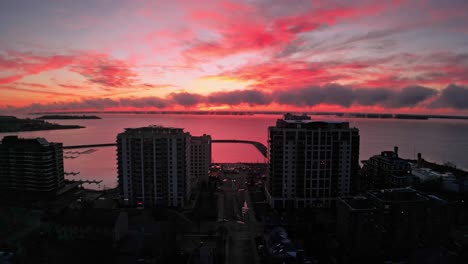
(437, 140)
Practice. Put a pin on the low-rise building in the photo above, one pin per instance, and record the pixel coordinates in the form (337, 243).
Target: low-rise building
(391, 222)
(386, 170)
(446, 181)
(359, 227)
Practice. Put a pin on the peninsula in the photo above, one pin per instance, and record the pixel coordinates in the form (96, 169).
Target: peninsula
(14, 124)
(59, 117)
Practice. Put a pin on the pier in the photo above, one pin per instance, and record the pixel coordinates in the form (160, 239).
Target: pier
(80, 182)
(90, 146)
(259, 146)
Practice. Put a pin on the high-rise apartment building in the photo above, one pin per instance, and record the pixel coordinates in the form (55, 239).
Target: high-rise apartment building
(200, 155)
(155, 165)
(30, 166)
(311, 162)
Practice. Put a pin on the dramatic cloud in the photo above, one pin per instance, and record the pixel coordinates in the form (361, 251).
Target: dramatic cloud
(103, 70)
(311, 96)
(71, 86)
(142, 102)
(331, 94)
(97, 68)
(252, 27)
(250, 97)
(453, 97)
(186, 99)
(280, 75)
(36, 85)
(248, 54)
(157, 86)
(96, 103)
(28, 90)
(16, 65)
(372, 97)
(346, 96)
(427, 70)
(410, 96)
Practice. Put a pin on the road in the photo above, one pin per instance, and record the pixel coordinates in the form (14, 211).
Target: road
(241, 227)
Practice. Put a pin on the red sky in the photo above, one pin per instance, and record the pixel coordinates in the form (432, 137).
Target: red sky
(398, 56)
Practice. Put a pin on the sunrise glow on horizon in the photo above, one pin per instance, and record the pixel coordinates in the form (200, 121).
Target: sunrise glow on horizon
(399, 56)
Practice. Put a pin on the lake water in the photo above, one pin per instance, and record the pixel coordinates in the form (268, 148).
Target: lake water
(438, 140)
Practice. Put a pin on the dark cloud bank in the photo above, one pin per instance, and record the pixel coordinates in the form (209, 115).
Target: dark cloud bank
(453, 96)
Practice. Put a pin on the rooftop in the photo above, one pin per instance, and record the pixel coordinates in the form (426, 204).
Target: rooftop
(358, 203)
(314, 121)
(304, 121)
(201, 138)
(427, 173)
(437, 200)
(398, 195)
(155, 129)
(14, 140)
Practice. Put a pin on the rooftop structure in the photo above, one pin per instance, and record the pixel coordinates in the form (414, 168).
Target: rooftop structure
(302, 117)
(304, 121)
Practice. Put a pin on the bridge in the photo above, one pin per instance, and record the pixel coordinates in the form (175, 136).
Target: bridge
(259, 146)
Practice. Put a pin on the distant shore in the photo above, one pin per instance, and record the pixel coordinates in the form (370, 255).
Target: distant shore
(65, 117)
(14, 124)
(337, 114)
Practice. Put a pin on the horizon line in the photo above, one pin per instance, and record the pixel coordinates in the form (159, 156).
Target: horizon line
(382, 115)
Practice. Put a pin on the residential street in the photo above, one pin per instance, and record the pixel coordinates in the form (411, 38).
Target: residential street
(241, 226)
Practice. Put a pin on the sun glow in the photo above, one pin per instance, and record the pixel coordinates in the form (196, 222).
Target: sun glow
(214, 108)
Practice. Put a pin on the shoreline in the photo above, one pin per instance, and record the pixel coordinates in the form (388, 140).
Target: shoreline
(12, 124)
